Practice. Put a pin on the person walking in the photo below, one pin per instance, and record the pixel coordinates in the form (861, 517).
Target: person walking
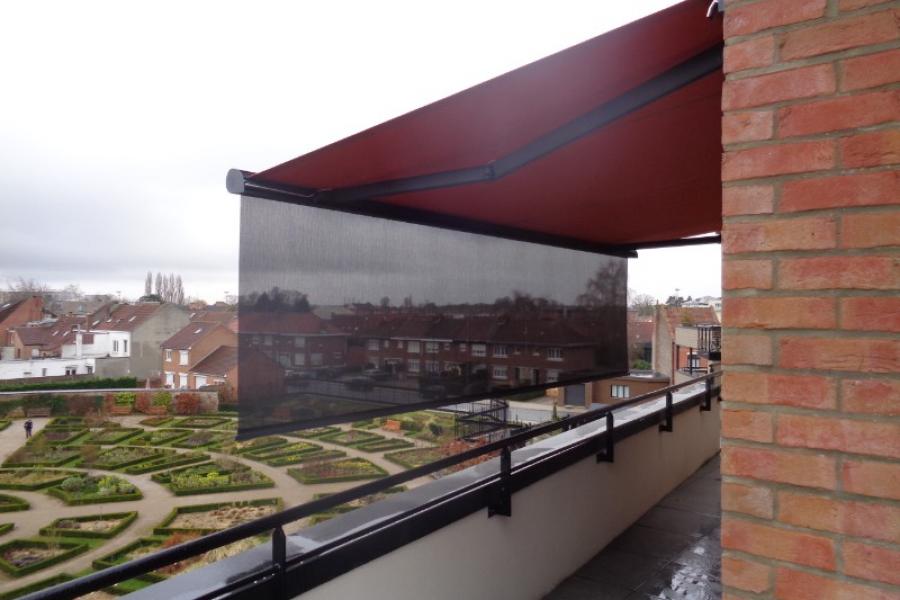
(28, 427)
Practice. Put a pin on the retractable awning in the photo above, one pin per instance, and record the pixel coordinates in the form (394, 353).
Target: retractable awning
(610, 145)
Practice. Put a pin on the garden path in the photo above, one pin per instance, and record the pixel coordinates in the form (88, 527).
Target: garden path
(157, 501)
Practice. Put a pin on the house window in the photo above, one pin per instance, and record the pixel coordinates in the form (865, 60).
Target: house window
(387, 344)
(499, 372)
(299, 359)
(554, 353)
(316, 359)
(431, 347)
(412, 365)
(124, 346)
(552, 375)
(284, 359)
(620, 391)
(115, 345)
(182, 380)
(299, 341)
(400, 344)
(168, 356)
(479, 350)
(463, 347)
(413, 347)
(501, 351)
(183, 357)
(170, 378)
(199, 381)
(255, 340)
(90, 370)
(694, 361)
(373, 345)
(452, 367)
(432, 366)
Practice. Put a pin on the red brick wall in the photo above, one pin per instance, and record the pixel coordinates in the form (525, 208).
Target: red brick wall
(811, 421)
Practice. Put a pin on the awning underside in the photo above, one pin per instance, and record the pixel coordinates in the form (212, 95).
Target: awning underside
(613, 142)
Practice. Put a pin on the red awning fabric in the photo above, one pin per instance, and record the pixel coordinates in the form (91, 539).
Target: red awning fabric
(650, 175)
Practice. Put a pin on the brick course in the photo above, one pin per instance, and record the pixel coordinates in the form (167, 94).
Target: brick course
(811, 269)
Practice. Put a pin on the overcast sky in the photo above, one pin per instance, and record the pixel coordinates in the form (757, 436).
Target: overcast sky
(119, 120)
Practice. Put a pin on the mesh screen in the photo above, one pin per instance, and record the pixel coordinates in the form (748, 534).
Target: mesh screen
(344, 316)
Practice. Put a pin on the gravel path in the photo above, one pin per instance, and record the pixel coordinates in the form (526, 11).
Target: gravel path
(157, 502)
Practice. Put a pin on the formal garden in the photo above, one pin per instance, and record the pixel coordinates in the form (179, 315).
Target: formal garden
(104, 481)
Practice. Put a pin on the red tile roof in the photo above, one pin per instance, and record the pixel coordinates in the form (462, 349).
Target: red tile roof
(218, 362)
(190, 334)
(128, 317)
(695, 315)
(51, 336)
(281, 323)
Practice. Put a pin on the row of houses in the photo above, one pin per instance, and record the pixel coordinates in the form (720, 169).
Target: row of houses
(183, 349)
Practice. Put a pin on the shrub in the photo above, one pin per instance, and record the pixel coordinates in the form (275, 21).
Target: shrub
(126, 398)
(187, 403)
(142, 402)
(436, 430)
(162, 399)
(72, 484)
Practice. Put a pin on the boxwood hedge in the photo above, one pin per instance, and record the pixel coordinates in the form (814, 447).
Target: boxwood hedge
(69, 549)
(54, 529)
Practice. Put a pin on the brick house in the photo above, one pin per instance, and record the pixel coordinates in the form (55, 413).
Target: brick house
(220, 368)
(674, 347)
(296, 341)
(16, 313)
(194, 342)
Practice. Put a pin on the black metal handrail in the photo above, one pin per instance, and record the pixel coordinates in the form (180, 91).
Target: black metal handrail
(274, 523)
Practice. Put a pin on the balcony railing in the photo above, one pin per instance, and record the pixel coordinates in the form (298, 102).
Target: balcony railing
(286, 576)
(709, 338)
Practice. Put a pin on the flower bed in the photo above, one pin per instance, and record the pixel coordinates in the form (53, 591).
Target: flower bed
(415, 457)
(220, 466)
(351, 438)
(347, 469)
(200, 422)
(21, 557)
(314, 432)
(120, 457)
(110, 436)
(206, 518)
(294, 459)
(285, 450)
(12, 503)
(259, 444)
(93, 489)
(136, 549)
(31, 479)
(161, 437)
(212, 482)
(155, 421)
(203, 439)
(90, 526)
(353, 505)
(41, 455)
(58, 435)
(167, 461)
(384, 445)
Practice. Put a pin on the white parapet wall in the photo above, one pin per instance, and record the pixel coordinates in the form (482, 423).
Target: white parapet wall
(557, 525)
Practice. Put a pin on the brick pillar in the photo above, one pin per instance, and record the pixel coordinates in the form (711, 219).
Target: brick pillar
(811, 206)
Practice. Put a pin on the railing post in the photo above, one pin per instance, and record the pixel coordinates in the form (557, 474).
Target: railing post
(279, 562)
(667, 424)
(501, 503)
(609, 453)
(707, 397)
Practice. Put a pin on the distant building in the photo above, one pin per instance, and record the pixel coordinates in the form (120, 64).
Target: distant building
(19, 312)
(296, 341)
(220, 368)
(190, 345)
(617, 389)
(679, 356)
(136, 332)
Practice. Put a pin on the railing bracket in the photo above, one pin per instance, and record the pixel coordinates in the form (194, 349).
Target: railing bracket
(608, 454)
(501, 501)
(279, 562)
(667, 424)
(706, 405)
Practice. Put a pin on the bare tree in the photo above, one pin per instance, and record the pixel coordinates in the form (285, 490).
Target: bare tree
(170, 288)
(159, 284)
(148, 284)
(179, 291)
(644, 304)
